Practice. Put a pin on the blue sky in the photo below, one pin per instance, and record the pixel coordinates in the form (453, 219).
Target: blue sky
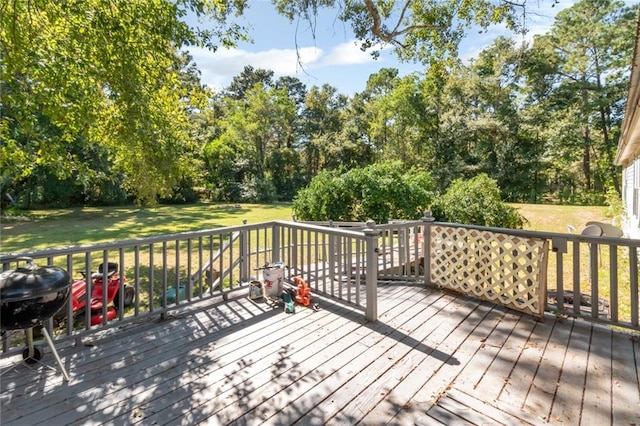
(333, 57)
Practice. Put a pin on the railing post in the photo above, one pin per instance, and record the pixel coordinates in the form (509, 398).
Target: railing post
(633, 284)
(559, 246)
(275, 243)
(593, 275)
(244, 254)
(332, 256)
(427, 220)
(371, 242)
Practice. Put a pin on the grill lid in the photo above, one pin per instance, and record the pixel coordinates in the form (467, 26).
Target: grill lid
(31, 281)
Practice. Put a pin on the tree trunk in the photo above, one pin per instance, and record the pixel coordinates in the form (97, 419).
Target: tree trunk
(586, 158)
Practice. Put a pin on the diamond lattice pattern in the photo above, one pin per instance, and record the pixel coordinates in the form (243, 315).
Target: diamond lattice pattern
(497, 267)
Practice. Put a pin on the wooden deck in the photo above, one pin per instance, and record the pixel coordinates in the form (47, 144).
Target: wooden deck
(432, 358)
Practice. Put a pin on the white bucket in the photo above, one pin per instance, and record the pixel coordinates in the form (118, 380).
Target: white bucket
(273, 277)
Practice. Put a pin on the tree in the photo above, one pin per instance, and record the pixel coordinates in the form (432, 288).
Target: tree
(418, 30)
(378, 112)
(400, 121)
(357, 147)
(322, 115)
(294, 87)
(591, 79)
(227, 166)
(502, 149)
(247, 79)
(254, 149)
(102, 72)
(105, 73)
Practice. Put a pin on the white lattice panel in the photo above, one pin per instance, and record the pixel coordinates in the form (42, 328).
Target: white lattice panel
(497, 267)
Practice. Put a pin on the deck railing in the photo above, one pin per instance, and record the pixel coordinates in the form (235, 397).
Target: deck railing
(578, 275)
(179, 271)
(592, 277)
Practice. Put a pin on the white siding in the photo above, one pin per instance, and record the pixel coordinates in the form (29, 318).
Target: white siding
(631, 198)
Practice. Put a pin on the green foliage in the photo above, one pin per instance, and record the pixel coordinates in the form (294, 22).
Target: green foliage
(419, 30)
(253, 158)
(321, 129)
(183, 193)
(90, 72)
(226, 166)
(284, 173)
(247, 79)
(613, 200)
(324, 198)
(256, 189)
(583, 77)
(476, 202)
(589, 198)
(99, 106)
(380, 192)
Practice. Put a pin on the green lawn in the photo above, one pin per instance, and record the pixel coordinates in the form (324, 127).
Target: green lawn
(555, 218)
(42, 229)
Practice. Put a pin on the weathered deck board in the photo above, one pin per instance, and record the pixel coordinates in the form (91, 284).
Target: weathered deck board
(102, 383)
(625, 395)
(317, 402)
(568, 399)
(250, 380)
(492, 415)
(398, 402)
(596, 403)
(229, 366)
(439, 384)
(382, 376)
(224, 366)
(432, 358)
(545, 383)
(409, 354)
(504, 361)
(526, 367)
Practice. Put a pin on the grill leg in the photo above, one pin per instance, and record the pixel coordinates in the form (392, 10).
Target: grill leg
(55, 353)
(29, 333)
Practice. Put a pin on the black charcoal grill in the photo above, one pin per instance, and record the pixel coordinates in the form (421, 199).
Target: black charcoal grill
(29, 296)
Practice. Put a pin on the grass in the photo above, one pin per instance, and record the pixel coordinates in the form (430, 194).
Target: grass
(47, 229)
(555, 218)
(44, 229)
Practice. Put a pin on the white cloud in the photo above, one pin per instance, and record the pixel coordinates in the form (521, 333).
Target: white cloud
(218, 68)
(341, 63)
(347, 53)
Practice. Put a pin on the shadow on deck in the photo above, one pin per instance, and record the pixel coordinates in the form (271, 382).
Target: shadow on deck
(432, 357)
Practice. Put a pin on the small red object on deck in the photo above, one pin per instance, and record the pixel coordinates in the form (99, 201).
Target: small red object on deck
(303, 294)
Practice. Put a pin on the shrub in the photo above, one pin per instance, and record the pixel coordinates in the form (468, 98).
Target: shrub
(325, 198)
(613, 200)
(476, 202)
(379, 192)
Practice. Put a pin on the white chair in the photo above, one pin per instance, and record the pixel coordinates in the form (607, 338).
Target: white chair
(607, 229)
(593, 230)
